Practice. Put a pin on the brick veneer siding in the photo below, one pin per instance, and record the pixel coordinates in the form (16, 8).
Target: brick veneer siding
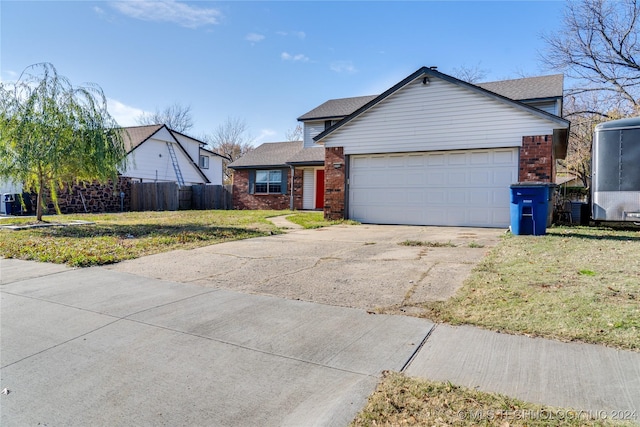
(536, 159)
(97, 197)
(334, 183)
(243, 200)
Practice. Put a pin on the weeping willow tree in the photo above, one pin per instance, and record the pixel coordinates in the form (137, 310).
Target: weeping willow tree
(53, 133)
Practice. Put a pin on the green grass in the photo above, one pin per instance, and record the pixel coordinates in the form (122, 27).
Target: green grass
(400, 400)
(574, 284)
(315, 220)
(117, 237)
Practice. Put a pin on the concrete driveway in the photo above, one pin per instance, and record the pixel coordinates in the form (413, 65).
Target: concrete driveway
(361, 266)
(169, 339)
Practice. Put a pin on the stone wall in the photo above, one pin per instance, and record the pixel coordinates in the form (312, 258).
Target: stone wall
(89, 197)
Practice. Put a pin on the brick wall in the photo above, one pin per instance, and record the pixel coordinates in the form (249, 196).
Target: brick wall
(89, 197)
(243, 200)
(536, 159)
(334, 183)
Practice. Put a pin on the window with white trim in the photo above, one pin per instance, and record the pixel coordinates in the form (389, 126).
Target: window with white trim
(269, 181)
(204, 162)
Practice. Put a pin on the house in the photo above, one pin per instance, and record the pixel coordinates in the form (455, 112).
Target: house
(157, 153)
(431, 150)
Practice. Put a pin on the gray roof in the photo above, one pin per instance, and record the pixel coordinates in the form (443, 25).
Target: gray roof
(135, 135)
(528, 87)
(337, 108)
(309, 155)
(269, 154)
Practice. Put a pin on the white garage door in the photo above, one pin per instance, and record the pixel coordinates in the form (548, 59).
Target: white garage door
(458, 188)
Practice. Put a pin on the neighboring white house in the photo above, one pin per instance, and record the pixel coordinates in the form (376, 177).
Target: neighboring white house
(157, 153)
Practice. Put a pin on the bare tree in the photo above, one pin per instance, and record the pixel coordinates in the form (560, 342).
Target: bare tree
(473, 74)
(294, 134)
(232, 140)
(599, 48)
(176, 116)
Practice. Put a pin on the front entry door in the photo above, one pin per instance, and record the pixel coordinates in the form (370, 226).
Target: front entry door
(320, 189)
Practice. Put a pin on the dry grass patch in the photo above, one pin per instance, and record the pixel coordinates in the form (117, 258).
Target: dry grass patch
(116, 237)
(400, 400)
(572, 284)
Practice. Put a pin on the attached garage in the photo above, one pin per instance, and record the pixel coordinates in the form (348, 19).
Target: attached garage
(456, 188)
(434, 150)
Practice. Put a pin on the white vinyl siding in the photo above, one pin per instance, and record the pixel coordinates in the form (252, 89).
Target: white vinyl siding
(438, 116)
(151, 161)
(451, 188)
(312, 129)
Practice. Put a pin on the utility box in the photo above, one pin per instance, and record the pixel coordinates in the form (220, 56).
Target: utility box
(8, 199)
(531, 208)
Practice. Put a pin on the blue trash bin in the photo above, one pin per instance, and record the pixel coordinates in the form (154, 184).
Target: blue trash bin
(530, 207)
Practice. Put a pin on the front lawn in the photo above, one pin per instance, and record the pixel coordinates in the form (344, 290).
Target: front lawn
(116, 237)
(400, 400)
(579, 284)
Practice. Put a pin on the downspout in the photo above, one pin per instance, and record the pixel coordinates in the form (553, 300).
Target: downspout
(293, 170)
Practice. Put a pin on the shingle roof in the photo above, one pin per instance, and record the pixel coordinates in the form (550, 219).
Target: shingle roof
(309, 155)
(337, 108)
(528, 87)
(136, 135)
(269, 154)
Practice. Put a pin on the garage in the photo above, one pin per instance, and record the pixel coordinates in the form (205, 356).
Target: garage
(451, 188)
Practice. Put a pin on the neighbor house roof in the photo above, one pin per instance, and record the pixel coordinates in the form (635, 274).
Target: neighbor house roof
(528, 88)
(269, 154)
(136, 135)
(337, 108)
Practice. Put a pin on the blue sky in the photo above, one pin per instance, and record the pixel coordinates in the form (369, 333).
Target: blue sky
(265, 62)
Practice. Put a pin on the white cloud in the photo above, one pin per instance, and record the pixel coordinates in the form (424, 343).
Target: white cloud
(98, 10)
(295, 58)
(299, 34)
(343, 67)
(125, 115)
(265, 134)
(254, 37)
(168, 11)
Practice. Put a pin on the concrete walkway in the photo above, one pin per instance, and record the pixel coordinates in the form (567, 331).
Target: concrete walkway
(283, 223)
(97, 346)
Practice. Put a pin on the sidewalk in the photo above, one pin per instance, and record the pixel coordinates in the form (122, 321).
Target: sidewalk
(571, 375)
(161, 346)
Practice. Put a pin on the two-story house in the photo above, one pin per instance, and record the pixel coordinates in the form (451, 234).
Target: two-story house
(431, 150)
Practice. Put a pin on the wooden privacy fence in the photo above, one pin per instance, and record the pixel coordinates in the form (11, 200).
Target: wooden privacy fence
(168, 196)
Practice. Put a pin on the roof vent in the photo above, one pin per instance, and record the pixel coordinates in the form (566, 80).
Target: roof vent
(433, 67)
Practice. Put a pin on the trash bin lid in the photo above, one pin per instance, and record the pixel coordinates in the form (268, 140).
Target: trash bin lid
(533, 184)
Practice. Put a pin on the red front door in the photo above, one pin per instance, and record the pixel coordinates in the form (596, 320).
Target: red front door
(320, 189)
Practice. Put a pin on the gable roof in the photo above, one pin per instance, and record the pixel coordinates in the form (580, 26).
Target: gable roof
(135, 136)
(425, 73)
(528, 88)
(336, 108)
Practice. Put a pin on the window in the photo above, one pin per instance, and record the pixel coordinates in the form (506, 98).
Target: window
(269, 181)
(204, 162)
